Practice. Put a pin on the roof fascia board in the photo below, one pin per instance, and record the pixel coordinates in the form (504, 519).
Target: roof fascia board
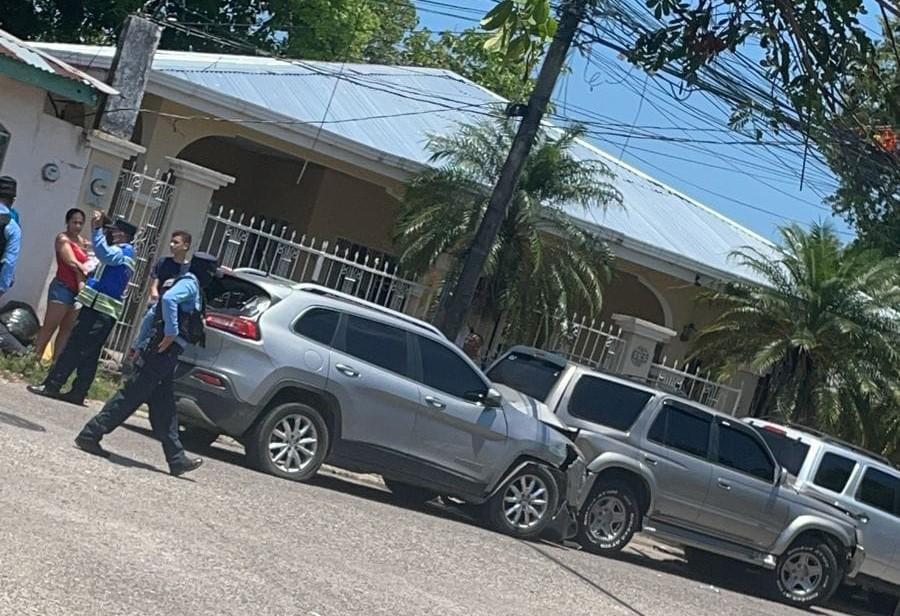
(33, 76)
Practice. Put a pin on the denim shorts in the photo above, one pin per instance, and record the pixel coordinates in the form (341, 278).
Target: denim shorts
(58, 293)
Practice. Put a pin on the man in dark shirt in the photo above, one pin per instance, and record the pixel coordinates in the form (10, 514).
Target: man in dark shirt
(170, 267)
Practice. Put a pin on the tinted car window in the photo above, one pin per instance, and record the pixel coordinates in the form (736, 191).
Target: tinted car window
(230, 295)
(376, 343)
(607, 403)
(789, 452)
(834, 471)
(318, 324)
(531, 375)
(743, 452)
(682, 430)
(446, 371)
(880, 490)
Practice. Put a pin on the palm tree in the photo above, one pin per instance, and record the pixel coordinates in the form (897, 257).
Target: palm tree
(542, 263)
(823, 319)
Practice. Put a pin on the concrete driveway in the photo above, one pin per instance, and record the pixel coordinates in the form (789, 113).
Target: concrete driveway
(83, 535)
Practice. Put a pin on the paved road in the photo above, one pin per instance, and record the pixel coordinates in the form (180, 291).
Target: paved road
(82, 535)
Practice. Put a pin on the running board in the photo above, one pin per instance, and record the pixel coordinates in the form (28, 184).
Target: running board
(668, 533)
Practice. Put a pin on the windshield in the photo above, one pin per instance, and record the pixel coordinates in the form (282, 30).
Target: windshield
(530, 375)
(789, 452)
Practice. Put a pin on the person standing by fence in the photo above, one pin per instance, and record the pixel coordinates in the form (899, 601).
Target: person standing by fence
(10, 234)
(71, 272)
(101, 300)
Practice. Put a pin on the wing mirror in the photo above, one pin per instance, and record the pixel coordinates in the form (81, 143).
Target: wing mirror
(493, 398)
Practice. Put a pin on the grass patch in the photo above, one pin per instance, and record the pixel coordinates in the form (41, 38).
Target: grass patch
(30, 369)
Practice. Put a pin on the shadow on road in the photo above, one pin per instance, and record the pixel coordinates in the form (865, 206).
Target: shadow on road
(17, 422)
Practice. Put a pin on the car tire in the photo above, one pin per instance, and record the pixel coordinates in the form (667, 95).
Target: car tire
(608, 519)
(807, 573)
(290, 441)
(535, 492)
(413, 495)
(195, 438)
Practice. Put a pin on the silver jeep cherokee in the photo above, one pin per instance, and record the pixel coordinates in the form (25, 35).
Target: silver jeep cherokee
(690, 476)
(301, 374)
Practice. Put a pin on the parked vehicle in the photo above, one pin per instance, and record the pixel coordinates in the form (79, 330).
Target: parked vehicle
(862, 483)
(301, 374)
(690, 476)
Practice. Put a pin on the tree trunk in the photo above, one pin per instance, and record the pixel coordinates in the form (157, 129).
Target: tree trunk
(452, 316)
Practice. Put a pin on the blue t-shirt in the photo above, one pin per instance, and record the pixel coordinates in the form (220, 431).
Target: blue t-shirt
(168, 268)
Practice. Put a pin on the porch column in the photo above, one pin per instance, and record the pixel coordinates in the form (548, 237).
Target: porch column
(194, 187)
(641, 338)
(108, 155)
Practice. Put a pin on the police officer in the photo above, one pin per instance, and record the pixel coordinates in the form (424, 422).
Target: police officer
(177, 323)
(10, 233)
(102, 306)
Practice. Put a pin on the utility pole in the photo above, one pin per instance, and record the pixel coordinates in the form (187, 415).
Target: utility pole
(128, 74)
(452, 315)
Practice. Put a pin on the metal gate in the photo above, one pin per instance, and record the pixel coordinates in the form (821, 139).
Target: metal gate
(143, 200)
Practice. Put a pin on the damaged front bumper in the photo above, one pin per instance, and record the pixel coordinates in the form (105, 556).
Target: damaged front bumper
(573, 482)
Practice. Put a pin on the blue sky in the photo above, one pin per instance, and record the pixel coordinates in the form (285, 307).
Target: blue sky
(757, 186)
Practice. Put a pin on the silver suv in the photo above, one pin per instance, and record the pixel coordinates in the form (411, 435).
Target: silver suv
(690, 476)
(301, 374)
(862, 483)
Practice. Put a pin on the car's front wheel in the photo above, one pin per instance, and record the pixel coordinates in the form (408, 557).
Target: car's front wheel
(609, 519)
(807, 573)
(290, 441)
(524, 504)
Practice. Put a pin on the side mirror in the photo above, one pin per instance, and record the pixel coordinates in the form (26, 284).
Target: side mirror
(493, 398)
(781, 476)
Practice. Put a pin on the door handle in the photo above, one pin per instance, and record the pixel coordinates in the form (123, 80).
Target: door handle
(651, 461)
(432, 401)
(724, 485)
(346, 370)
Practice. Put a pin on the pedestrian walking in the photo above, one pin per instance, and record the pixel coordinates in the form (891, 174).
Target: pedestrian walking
(178, 322)
(164, 269)
(10, 233)
(101, 300)
(71, 272)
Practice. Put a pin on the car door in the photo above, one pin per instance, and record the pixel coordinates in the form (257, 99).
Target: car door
(878, 498)
(676, 450)
(369, 376)
(743, 504)
(457, 440)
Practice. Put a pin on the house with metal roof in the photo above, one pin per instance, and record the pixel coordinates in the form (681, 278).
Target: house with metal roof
(43, 149)
(320, 153)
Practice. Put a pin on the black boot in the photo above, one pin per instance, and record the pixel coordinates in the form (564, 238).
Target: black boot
(185, 466)
(45, 390)
(90, 445)
(72, 398)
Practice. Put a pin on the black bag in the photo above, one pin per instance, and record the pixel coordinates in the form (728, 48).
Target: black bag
(4, 220)
(195, 330)
(21, 321)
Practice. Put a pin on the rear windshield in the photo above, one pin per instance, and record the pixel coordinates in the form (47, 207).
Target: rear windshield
(789, 452)
(531, 375)
(234, 296)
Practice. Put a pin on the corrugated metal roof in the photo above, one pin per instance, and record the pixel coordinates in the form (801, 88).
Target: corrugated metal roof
(25, 53)
(394, 109)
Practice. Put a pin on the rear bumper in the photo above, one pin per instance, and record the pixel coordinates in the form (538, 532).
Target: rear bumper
(213, 407)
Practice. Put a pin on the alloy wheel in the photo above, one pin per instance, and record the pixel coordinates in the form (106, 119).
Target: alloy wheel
(525, 502)
(802, 573)
(607, 518)
(293, 443)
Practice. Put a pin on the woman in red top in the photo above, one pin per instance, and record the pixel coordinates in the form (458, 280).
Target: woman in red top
(71, 271)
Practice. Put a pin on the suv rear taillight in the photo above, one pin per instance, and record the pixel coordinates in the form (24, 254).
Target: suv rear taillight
(242, 327)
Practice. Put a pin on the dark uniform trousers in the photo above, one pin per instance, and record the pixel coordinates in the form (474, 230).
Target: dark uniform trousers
(152, 383)
(82, 352)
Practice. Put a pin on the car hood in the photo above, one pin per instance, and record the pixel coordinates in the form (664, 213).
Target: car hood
(532, 407)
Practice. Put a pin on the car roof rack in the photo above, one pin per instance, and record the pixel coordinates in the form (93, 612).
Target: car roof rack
(352, 299)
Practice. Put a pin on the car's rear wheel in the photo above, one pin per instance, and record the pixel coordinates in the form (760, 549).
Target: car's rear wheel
(406, 493)
(807, 573)
(291, 441)
(524, 505)
(609, 518)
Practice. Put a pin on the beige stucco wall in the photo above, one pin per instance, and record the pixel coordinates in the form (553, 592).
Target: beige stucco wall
(37, 139)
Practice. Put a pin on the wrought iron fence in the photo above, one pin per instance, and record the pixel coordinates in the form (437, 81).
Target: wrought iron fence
(584, 341)
(240, 240)
(691, 384)
(143, 200)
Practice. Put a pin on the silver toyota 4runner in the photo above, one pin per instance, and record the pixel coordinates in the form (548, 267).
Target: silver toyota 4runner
(690, 476)
(302, 374)
(860, 482)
